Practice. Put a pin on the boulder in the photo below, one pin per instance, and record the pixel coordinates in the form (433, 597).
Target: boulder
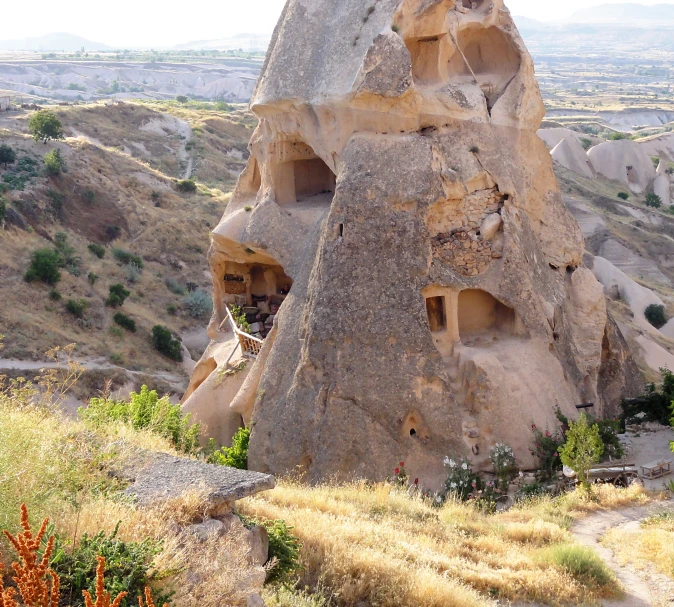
(490, 226)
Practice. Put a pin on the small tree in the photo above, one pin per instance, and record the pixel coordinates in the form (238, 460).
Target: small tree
(623, 195)
(7, 155)
(54, 162)
(186, 185)
(45, 125)
(656, 315)
(166, 344)
(653, 200)
(182, 99)
(583, 448)
(44, 266)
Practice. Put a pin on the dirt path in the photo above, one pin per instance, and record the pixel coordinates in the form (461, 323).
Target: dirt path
(643, 589)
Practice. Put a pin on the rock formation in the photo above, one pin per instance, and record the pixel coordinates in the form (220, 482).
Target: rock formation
(400, 221)
(571, 155)
(624, 161)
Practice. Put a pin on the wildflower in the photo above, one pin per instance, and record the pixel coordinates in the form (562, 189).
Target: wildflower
(402, 464)
(533, 426)
(453, 485)
(547, 434)
(397, 471)
(416, 481)
(464, 466)
(521, 474)
(438, 499)
(474, 485)
(556, 454)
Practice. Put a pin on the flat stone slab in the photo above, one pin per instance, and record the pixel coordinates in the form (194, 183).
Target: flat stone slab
(159, 476)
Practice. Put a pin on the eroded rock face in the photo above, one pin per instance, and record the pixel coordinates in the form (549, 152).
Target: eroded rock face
(396, 183)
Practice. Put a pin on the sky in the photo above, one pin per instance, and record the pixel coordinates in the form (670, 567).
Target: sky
(135, 23)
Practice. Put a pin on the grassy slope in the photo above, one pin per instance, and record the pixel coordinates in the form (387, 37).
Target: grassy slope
(168, 229)
(375, 545)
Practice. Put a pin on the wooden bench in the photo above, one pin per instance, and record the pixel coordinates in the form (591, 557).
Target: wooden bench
(656, 469)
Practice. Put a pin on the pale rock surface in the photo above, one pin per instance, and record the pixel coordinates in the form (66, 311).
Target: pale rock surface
(553, 136)
(571, 155)
(662, 185)
(659, 145)
(407, 335)
(624, 161)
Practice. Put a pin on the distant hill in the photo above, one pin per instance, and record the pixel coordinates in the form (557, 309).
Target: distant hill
(53, 42)
(633, 14)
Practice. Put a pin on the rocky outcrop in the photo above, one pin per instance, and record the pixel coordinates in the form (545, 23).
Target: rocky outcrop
(400, 221)
(624, 161)
(571, 155)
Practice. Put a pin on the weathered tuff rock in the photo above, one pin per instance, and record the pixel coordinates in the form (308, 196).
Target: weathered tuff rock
(390, 133)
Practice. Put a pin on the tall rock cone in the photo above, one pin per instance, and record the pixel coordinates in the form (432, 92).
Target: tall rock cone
(400, 220)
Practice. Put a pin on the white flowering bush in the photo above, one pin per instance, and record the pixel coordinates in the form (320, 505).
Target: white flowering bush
(503, 460)
(461, 481)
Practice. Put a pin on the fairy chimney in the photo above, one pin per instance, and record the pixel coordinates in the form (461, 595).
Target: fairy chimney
(400, 221)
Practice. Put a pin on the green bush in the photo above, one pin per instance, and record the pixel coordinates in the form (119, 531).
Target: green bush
(586, 143)
(171, 309)
(146, 411)
(166, 344)
(89, 196)
(198, 304)
(186, 185)
(546, 451)
(655, 404)
(284, 549)
(7, 155)
(45, 125)
(128, 566)
(618, 136)
(127, 258)
(623, 195)
(92, 278)
(235, 456)
(117, 296)
(653, 200)
(132, 273)
(656, 315)
(583, 448)
(3, 210)
(182, 99)
(97, 250)
(54, 295)
(77, 307)
(175, 286)
(44, 267)
(54, 162)
(57, 199)
(124, 321)
(608, 432)
(579, 562)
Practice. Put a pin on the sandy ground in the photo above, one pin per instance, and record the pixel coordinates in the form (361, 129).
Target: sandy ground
(648, 444)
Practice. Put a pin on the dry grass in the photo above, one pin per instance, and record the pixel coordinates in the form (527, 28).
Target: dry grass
(652, 544)
(375, 545)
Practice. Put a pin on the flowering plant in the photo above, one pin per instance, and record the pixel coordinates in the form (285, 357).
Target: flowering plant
(461, 480)
(400, 476)
(503, 460)
(485, 499)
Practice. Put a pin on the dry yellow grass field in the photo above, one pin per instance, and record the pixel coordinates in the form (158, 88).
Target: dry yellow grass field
(376, 545)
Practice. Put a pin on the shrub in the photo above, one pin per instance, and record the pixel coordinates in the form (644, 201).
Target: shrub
(608, 432)
(92, 278)
(124, 321)
(240, 318)
(198, 304)
(54, 162)
(89, 196)
(655, 404)
(44, 267)
(45, 125)
(586, 143)
(461, 480)
(132, 273)
(68, 257)
(186, 185)
(235, 456)
(146, 411)
(128, 566)
(77, 307)
(182, 99)
(618, 136)
(656, 315)
(126, 258)
(57, 199)
(54, 295)
(623, 195)
(580, 562)
(113, 232)
(653, 200)
(117, 296)
(546, 451)
(97, 250)
(503, 460)
(475, 150)
(583, 447)
(3, 211)
(166, 344)
(284, 549)
(7, 155)
(175, 286)
(171, 309)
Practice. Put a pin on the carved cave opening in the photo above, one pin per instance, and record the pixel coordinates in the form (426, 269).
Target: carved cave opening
(425, 54)
(303, 177)
(480, 313)
(437, 316)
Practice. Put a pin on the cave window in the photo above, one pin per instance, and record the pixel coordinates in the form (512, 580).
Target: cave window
(425, 59)
(413, 432)
(305, 179)
(480, 312)
(437, 316)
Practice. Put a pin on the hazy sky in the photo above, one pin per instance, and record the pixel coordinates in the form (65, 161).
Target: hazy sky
(168, 22)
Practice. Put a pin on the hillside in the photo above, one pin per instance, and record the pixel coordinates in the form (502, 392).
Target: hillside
(119, 192)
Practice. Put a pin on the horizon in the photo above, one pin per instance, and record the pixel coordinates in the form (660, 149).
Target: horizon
(256, 18)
